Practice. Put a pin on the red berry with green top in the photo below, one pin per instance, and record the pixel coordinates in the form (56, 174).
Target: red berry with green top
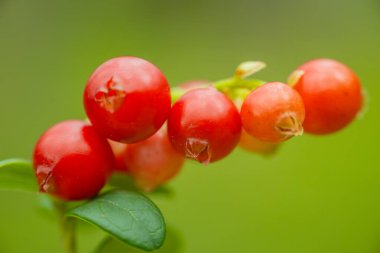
(154, 161)
(127, 99)
(72, 161)
(332, 95)
(273, 112)
(204, 125)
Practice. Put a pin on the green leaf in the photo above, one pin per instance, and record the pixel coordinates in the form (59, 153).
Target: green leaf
(128, 216)
(173, 244)
(17, 174)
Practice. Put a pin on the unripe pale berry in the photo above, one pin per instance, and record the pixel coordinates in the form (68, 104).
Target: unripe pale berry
(72, 161)
(194, 84)
(154, 161)
(127, 99)
(332, 95)
(253, 145)
(273, 112)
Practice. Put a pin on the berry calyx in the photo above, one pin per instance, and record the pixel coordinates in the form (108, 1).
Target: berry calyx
(204, 125)
(154, 161)
(72, 161)
(331, 93)
(274, 112)
(127, 99)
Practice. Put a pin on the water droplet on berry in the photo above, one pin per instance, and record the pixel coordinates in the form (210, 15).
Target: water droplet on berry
(110, 97)
(198, 150)
(289, 125)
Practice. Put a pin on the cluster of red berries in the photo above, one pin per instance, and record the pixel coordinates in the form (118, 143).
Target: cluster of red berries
(128, 100)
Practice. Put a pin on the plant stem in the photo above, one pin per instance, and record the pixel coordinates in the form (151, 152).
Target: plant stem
(226, 86)
(233, 83)
(67, 227)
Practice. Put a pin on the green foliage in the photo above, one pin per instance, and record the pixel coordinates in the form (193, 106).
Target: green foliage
(130, 217)
(17, 174)
(127, 216)
(173, 244)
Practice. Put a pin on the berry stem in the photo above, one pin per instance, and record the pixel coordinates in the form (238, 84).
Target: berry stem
(232, 83)
(227, 86)
(67, 227)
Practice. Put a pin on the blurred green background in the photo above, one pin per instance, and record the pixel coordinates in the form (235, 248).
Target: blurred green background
(319, 194)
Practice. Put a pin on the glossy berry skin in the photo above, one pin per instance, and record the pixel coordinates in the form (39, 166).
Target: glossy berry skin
(253, 145)
(331, 93)
(204, 125)
(154, 161)
(118, 150)
(127, 99)
(72, 161)
(274, 112)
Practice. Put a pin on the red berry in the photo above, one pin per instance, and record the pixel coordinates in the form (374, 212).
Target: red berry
(127, 99)
(204, 125)
(251, 144)
(72, 161)
(118, 150)
(331, 93)
(273, 112)
(153, 162)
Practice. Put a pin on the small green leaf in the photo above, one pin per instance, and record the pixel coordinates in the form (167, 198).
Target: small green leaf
(17, 174)
(173, 244)
(128, 216)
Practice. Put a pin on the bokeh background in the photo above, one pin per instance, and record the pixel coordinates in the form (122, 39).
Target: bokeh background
(318, 194)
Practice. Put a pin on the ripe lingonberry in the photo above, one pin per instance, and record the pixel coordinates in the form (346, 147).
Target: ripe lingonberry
(154, 161)
(118, 150)
(273, 112)
(331, 93)
(72, 161)
(251, 144)
(127, 99)
(204, 125)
